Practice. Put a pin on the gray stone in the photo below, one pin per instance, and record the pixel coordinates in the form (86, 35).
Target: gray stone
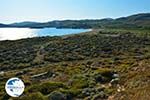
(56, 96)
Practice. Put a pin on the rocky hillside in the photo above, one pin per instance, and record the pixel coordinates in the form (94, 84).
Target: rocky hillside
(97, 65)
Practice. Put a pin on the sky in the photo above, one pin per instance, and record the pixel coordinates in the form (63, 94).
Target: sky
(48, 10)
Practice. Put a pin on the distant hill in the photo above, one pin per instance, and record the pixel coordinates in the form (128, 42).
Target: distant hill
(136, 18)
(64, 24)
(3, 25)
(134, 21)
(140, 20)
(24, 24)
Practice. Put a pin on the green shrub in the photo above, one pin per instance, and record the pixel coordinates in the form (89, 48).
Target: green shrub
(32, 96)
(103, 75)
(80, 82)
(46, 88)
(70, 93)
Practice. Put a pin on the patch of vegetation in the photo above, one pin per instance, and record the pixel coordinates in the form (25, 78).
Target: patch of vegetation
(46, 88)
(95, 65)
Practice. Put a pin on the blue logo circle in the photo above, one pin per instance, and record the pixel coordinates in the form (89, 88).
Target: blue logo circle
(14, 87)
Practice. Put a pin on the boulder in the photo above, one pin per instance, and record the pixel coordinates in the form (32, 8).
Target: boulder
(56, 96)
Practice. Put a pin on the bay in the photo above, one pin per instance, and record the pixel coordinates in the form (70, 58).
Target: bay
(20, 33)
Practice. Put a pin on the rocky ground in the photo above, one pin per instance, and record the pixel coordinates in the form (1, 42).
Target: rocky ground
(92, 66)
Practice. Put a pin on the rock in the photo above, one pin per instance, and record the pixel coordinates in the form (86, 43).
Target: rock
(70, 82)
(120, 88)
(100, 96)
(39, 75)
(2, 73)
(111, 97)
(43, 75)
(88, 91)
(116, 75)
(87, 98)
(114, 81)
(56, 96)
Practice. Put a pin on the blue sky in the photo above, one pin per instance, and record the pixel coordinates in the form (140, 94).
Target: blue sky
(47, 10)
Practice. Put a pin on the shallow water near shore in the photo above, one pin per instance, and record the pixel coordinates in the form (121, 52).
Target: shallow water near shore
(20, 33)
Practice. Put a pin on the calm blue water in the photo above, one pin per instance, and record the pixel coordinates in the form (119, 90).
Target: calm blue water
(19, 33)
(58, 32)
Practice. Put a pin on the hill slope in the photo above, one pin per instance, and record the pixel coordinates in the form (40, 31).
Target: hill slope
(3, 25)
(133, 21)
(91, 66)
(138, 19)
